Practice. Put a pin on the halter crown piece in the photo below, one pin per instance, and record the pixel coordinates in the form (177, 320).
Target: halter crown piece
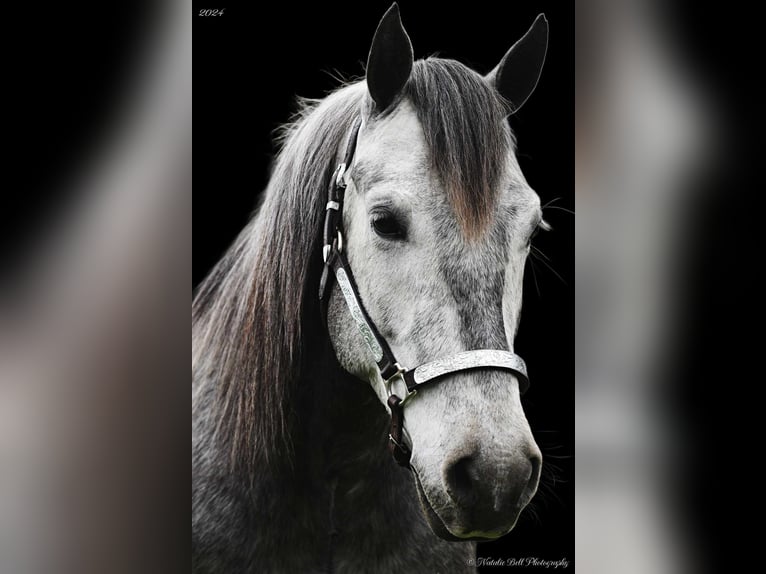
(336, 265)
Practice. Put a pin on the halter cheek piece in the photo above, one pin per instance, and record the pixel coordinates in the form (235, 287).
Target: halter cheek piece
(336, 265)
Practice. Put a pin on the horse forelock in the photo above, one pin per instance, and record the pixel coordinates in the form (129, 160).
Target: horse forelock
(467, 135)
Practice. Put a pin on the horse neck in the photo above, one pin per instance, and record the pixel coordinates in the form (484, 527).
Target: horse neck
(340, 469)
(342, 428)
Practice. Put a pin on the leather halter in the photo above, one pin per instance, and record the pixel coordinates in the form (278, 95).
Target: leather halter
(336, 265)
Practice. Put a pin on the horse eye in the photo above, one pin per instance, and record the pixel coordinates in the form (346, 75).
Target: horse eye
(387, 226)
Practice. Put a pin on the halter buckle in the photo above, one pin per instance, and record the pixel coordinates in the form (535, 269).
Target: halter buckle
(337, 243)
(399, 373)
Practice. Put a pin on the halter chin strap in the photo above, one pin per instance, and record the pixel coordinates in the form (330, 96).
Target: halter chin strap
(336, 265)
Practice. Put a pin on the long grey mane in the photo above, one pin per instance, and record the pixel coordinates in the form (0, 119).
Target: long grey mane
(256, 323)
(251, 314)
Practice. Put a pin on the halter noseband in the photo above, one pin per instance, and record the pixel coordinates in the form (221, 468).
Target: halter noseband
(336, 265)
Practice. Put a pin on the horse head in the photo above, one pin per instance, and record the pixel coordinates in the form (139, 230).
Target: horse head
(437, 221)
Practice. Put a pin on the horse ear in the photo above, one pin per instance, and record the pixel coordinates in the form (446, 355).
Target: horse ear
(516, 76)
(390, 61)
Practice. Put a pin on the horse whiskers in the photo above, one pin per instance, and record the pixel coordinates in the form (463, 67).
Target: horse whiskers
(564, 209)
(541, 257)
(550, 202)
(539, 253)
(546, 495)
(549, 205)
(534, 277)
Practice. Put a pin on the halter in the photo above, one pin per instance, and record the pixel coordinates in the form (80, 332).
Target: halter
(336, 265)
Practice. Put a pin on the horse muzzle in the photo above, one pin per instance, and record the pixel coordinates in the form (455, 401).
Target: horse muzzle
(478, 497)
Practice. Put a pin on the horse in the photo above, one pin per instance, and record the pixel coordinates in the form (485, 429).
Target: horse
(292, 413)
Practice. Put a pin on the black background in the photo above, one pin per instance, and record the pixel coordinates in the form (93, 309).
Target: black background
(251, 63)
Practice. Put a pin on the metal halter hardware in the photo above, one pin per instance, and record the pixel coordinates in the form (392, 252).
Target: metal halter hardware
(336, 265)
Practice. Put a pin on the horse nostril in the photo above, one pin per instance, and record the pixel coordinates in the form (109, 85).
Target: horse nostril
(460, 481)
